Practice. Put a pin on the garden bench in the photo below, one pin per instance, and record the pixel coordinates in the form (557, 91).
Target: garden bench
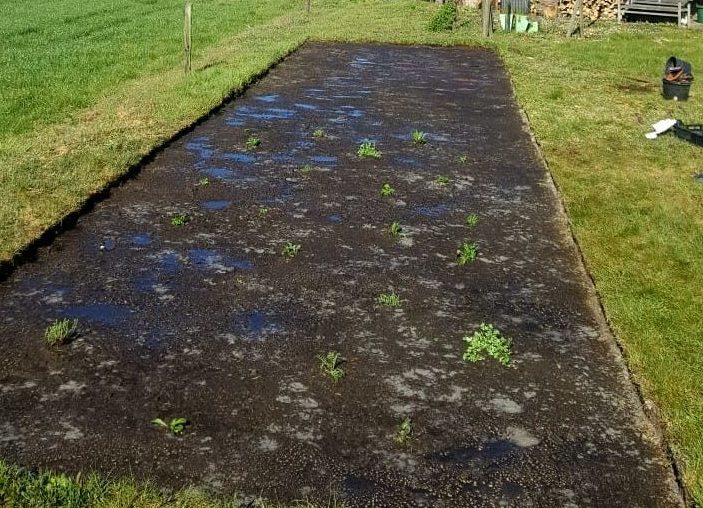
(662, 8)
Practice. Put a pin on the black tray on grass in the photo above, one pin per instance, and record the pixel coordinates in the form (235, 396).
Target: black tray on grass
(692, 133)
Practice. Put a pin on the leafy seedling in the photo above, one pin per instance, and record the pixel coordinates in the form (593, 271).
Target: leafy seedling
(290, 250)
(368, 149)
(203, 182)
(306, 169)
(488, 341)
(466, 253)
(253, 142)
(394, 229)
(405, 431)
(180, 219)
(388, 299)
(442, 180)
(463, 159)
(471, 219)
(319, 134)
(263, 211)
(386, 190)
(175, 426)
(418, 137)
(60, 332)
(330, 365)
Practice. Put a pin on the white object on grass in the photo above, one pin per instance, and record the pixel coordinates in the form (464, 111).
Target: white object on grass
(660, 127)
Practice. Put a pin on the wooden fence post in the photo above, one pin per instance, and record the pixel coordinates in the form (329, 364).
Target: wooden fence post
(187, 25)
(487, 17)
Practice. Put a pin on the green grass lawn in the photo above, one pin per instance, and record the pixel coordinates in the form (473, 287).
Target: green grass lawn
(88, 91)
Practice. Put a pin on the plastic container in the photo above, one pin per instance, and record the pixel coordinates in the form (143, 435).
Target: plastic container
(700, 13)
(675, 91)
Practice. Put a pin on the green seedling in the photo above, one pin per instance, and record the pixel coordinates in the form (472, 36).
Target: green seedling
(253, 142)
(471, 219)
(175, 426)
(306, 169)
(386, 190)
(60, 332)
(319, 134)
(330, 365)
(418, 137)
(290, 250)
(463, 159)
(488, 341)
(394, 229)
(180, 219)
(388, 299)
(405, 431)
(263, 211)
(466, 253)
(368, 149)
(203, 182)
(442, 180)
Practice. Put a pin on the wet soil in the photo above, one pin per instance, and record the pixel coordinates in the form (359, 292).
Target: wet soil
(208, 321)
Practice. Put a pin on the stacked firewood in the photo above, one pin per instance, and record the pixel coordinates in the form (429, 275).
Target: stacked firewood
(592, 9)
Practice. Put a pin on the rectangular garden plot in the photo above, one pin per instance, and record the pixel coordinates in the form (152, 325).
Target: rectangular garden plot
(308, 217)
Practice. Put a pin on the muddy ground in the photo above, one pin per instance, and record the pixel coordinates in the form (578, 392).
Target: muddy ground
(208, 321)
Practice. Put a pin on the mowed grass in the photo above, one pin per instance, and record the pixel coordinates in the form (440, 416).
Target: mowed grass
(632, 203)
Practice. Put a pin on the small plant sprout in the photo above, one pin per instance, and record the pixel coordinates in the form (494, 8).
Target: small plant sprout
(463, 159)
(391, 299)
(386, 190)
(306, 169)
(179, 219)
(488, 341)
(394, 229)
(368, 149)
(263, 211)
(290, 250)
(60, 332)
(203, 182)
(442, 181)
(319, 134)
(418, 137)
(405, 431)
(175, 426)
(466, 253)
(253, 142)
(471, 219)
(330, 365)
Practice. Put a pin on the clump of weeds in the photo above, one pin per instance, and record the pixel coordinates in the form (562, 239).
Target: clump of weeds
(463, 159)
(405, 431)
(368, 149)
(60, 332)
(290, 250)
(253, 142)
(418, 137)
(466, 253)
(330, 364)
(387, 191)
(203, 182)
(488, 341)
(307, 169)
(395, 229)
(442, 181)
(176, 426)
(263, 211)
(471, 220)
(391, 299)
(319, 134)
(179, 219)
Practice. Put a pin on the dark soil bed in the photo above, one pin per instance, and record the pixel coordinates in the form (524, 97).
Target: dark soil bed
(210, 322)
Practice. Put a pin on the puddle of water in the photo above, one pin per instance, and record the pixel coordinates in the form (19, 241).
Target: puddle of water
(265, 113)
(107, 244)
(170, 262)
(234, 122)
(103, 313)
(200, 146)
(216, 204)
(433, 212)
(268, 98)
(323, 159)
(304, 145)
(488, 451)
(244, 158)
(142, 239)
(282, 157)
(350, 111)
(145, 282)
(334, 218)
(222, 173)
(255, 326)
(212, 260)
(309, 107)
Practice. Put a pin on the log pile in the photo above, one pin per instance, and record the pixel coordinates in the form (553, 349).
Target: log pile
(592, 9)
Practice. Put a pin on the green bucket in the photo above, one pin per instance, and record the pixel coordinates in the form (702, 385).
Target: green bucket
(700, 13)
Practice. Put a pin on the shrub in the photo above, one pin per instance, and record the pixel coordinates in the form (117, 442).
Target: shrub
(444, 19)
